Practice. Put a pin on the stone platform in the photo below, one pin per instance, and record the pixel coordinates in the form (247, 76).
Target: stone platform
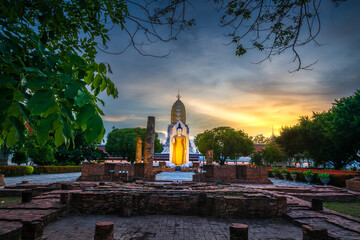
(220, 201)
(230, 202)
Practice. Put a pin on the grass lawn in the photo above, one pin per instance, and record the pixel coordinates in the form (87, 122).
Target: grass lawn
(4, 201)
(350, 208)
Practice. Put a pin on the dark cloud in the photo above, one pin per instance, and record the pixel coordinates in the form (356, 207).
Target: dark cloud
(220, 89)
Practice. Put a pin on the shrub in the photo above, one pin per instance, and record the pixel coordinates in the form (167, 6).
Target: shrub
(284, 170)
(308, 173)
(13, 171)
(56, 169)
(19, 157)
(29, 170)
(294, 172)
(275, 170)
(323, 175)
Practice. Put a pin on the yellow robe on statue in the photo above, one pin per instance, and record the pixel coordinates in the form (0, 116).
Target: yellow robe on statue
(179, 148)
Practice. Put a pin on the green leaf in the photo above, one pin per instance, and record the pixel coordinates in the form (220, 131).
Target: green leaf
(97, 81)
(34, 70)
(11, 137)
(67, 133)
(38, 83)
(71, 90)
(19, 127)
(85, 113)
(103, 86)
(95, 129)
(82, 98)
(46, 125)
(59, 137)
(89, 78)
(41, 102)
(102, 68)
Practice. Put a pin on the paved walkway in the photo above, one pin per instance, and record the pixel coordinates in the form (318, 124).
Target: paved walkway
(169, 227)
(281, 182)
(43, 178)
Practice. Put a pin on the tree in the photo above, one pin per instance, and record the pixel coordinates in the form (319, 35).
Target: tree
(272, 154)
(272, 26)
(19, 157)
(49, 76)
(40, 155)
(226, 143)
(291, 140)
(257, 158)
(122, 142)
(327, 137)
(259, 138)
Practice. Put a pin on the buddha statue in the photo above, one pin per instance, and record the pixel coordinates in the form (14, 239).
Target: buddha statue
(179, 148)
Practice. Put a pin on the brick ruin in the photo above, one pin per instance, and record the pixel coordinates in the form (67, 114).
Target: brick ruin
(113, 172)
(49, 202)
(233, 174)
(189, 199)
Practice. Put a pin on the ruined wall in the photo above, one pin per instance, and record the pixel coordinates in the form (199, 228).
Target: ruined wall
(201, 204)
(111, 172)
(234, 174)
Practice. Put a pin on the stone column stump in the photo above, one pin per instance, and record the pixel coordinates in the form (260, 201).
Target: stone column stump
(149, 147)
(104, 231)
(316, 204)
(32, 230)
(2, 181)
(239, 231)
(26, 196)
(310, 233)
(138, 157)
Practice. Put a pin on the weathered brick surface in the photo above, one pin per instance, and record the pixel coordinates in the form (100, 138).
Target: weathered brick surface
(104, 231)
(234, 174)
(353, 184)
(311, 233)
(115, 172)
(239, 231)
(190, 199)
(10, 230)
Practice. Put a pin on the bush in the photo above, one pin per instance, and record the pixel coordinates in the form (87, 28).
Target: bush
(13, 171)
(284, 170)
(56, 169)
(275, 170)
(323, 175)
(19, 157)
(29, 170)
(294, 172)
(308, 173)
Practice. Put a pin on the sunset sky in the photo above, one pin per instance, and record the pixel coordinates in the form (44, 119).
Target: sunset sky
(221, 89)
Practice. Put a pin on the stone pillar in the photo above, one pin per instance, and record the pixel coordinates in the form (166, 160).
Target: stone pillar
(104, 231)
(209, 157)
(2, 181)
(149, 147)
(26, 196)
(310, 233)
(138, 150)
(239, 231)
(316, 204)
(32, 230)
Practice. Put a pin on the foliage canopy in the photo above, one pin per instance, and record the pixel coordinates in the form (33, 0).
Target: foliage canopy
(225, 142)
(122, 142)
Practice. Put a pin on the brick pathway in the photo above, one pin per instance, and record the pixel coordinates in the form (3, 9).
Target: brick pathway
(169, 227)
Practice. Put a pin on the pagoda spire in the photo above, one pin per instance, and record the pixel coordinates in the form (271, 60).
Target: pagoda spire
(178, 96)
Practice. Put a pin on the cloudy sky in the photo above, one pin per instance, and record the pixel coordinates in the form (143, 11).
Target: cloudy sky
(221, 89)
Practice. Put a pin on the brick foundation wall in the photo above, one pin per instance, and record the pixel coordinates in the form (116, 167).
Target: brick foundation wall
(234, 174)
(353, 184)
(179, 203)
(111, 172)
